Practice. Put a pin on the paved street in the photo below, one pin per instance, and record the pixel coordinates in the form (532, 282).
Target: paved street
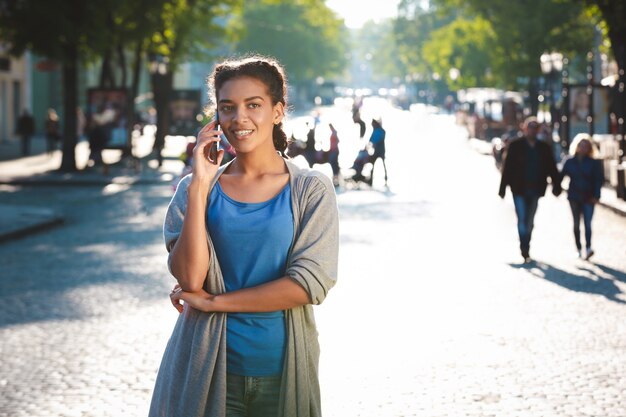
(433, 315)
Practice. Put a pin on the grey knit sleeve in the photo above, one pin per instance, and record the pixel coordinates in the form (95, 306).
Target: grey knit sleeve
(313, 262)
(173, 224)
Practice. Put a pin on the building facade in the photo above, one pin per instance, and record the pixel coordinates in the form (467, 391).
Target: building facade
(15, 92)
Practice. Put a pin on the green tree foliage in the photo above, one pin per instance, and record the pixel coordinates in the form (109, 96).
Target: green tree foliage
(52, 28)
(412, 29)
(192, 29)
(466, 46)
(613, 25)
(508, 37)
(305, 35)
(524, 30)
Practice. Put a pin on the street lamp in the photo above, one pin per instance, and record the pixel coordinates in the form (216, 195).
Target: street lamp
(551, 65)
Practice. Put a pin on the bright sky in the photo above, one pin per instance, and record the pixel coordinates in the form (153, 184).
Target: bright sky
(357, 12)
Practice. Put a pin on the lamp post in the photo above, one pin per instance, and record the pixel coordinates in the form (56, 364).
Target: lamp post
(551, 65)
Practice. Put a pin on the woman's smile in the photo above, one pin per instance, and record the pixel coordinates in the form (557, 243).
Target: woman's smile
(242, 133)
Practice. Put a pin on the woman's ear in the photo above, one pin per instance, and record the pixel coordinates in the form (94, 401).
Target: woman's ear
(279, 113)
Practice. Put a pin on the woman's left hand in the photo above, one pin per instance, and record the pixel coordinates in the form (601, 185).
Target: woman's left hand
(199, 300)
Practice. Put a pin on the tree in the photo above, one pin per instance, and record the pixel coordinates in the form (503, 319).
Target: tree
(187, 29)
(304, 35)
(62, 30)
(525, 30)
(75, 32)
(508, 36)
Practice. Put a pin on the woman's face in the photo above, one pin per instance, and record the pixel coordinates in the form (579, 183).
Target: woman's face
(247, 115)
(583, 148)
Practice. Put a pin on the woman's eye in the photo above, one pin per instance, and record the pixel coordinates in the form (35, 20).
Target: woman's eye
(254, 105)
(226, 109)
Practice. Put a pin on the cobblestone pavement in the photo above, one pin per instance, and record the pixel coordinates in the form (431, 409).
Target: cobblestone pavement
(434, 315)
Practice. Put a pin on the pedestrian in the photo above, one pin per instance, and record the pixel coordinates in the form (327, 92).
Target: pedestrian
(585, 182)
(310, 153)
(252, 244)
(333, 153)
(53, 135)
(356, 118)
(25, 129)
(526, 168)
(97, 136)
(377, 139)
(374, 150)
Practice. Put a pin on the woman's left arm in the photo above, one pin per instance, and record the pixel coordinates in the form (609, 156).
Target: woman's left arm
(281, 294)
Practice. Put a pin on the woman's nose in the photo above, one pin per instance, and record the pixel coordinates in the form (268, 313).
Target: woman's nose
(239, 114)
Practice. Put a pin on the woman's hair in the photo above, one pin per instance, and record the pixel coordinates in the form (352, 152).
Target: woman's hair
(264, 69)
(573, 147)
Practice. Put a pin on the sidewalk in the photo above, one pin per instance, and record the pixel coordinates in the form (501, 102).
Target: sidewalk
(41, 169)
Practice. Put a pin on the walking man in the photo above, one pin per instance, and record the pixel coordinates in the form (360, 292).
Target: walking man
(527, 166)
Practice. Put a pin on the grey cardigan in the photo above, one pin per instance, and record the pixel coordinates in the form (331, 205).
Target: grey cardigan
(191, 381)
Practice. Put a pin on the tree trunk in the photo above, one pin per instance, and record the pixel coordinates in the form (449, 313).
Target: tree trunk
(162, 87)
(107, 79)
(70, 103)
(134, 90)
(122, 58)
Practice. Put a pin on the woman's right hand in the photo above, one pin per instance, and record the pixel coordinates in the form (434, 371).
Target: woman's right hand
(202, 168)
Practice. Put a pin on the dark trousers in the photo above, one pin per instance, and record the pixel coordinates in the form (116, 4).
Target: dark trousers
(52, 141)
(333, 160)
(25, 145)
(525, 208)
(584, 210)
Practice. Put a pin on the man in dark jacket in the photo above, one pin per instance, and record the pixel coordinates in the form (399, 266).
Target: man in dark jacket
(527, 166)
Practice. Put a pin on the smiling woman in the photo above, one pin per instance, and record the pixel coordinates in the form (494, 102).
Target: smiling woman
(253, 244)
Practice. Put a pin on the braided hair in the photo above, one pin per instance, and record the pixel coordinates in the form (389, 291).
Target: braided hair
(264, 69)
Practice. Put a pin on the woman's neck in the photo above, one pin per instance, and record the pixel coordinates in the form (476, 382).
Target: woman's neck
(255, 164)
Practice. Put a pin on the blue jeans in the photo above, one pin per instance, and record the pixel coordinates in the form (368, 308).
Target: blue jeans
(251, 396)
(525, 208)
(584, 210)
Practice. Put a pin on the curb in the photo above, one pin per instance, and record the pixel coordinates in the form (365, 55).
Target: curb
(19, 221)
(25, 231)
(77, 180)
(614, 209)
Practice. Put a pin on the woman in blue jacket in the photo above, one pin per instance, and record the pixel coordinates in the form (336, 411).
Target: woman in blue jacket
(586, 179)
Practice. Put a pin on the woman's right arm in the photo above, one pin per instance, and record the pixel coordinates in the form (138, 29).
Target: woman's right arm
(189, 260)
(189, 257)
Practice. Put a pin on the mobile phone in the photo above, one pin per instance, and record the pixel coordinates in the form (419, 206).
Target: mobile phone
(213, 148)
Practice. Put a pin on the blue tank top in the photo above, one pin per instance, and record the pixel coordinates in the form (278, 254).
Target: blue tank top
(252, 241)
